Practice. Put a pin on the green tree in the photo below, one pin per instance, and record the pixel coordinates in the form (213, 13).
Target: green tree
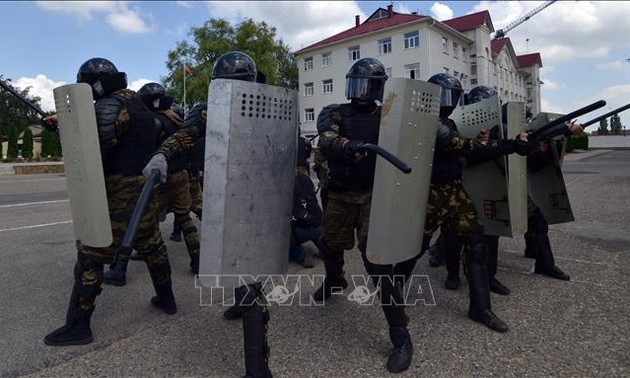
(15, 112)
(603, 127)
(273, 58)
(13, 150)
(47, 143)
(27, 144)
(56, 145)
(615, 125)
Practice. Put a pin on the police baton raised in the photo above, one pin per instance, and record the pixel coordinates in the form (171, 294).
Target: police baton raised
(22, 98)
(138, 211)
(542, 132)
(618, 110)
(396, 162)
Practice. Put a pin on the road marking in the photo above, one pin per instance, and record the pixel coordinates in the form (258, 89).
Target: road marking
(32, 203)
(35, 226)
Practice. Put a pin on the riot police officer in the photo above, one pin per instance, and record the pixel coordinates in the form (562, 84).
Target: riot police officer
(342, 129)
(234, 65)
(450, 206)
(126, 130)
(174, 195)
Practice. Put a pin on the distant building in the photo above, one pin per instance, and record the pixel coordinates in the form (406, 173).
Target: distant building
(417, 47)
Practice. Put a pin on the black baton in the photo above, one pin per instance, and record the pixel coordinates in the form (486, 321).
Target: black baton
(587, 109)
(138, 211)
(396, 162)
(618, 110)
(23, 99)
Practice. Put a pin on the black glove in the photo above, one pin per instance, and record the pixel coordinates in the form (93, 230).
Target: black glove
(352, 148)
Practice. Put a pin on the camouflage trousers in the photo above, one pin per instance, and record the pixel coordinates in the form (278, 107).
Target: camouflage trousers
(175, 197)
(196, 196)
(342, 219)
(450, 206)
(122, 195)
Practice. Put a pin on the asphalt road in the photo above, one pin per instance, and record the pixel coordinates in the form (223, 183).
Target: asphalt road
(576, 328)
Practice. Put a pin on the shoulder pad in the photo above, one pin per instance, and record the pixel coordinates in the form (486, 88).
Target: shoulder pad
(325, 117)
(107, 110)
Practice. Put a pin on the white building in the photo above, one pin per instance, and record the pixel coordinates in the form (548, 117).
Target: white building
(417, 47)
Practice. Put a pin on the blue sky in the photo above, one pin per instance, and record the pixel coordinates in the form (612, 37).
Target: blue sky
(584, 45)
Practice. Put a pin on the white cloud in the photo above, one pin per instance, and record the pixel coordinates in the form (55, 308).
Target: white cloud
(616, 65)
(565, 30)
(117, 13)
(42, 87)
(298, 23)
(185, 4)
(545, 106)
(137, 84)
(552, 85)
(441, 11)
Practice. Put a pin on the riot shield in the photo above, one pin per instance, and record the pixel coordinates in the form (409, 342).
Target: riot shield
(546, 183)
(83, 164)
(408, 128)
(486, 183)
(517, 171)
(250, 161)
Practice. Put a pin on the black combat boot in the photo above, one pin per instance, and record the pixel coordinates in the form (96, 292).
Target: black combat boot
(493, 256)
(235, 311)
(165, 300)
(480, 308)
(545, 263)
(334, 281)
(530, 245)
(194, 263)
(160, 272)
(176, 235)
(255, 322)
(401, 354)
(117, 273)
(452, 252)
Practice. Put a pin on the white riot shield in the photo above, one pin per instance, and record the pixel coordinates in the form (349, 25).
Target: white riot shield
(546, 183)
(486, 183)
(250, 161)
(408, 128)
(83, 164)
(517, 171)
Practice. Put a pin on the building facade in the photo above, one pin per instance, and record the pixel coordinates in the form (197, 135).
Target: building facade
(417, 47)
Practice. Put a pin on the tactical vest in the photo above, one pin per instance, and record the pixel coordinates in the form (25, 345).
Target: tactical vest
(137, 144)
(167, 128)
(345, 174)
(446, 165)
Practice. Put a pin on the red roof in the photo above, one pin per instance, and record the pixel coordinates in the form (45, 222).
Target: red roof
(529, 60)
(498, 44)
(470, 21)
(367, 27)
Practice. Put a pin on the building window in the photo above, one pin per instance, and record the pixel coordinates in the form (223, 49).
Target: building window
(385, 46)
(446, 70)
(326, 59)
(473, 68)
(473, 81)
(354, 53)
(412, 71)
(327, 86)
(464, 54)
(308, 64)
(455, 50)
(309, 115)
(445, 45)
(308, 89)
(412, 40)
(388, 72)
(455, 73)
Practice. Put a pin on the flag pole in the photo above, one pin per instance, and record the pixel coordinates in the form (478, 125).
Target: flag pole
(184, 70)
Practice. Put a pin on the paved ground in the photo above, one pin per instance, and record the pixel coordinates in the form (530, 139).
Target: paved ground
(576, 328)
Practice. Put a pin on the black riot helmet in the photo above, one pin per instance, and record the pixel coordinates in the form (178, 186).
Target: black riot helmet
(366, 80)
(479, 93)
(235, 65)
(102, 75)
(154, 96)
(451, 92)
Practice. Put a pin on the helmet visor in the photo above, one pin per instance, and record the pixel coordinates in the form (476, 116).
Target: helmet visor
(365, 88)
(450, 97)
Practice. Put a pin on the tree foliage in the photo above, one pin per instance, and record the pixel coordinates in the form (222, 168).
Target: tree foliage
(603, 127)
(615, 125)
(15, 112)
(47, 144)
(13, 149)
(273, 58)
(27, 144)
